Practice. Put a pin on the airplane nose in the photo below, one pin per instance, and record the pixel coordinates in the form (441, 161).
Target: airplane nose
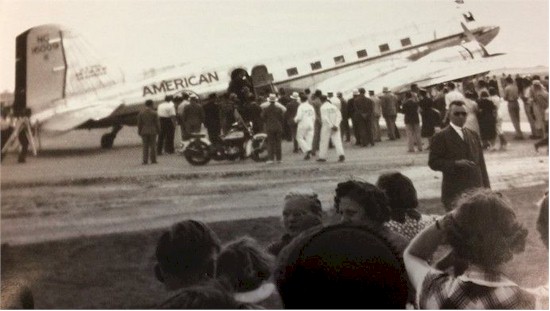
(489, 33)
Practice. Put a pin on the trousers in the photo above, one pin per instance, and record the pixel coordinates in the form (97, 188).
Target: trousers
(327, 134)
(513, 110)
(149, 147)
(304, 136)
(413, 136)
(274, 140)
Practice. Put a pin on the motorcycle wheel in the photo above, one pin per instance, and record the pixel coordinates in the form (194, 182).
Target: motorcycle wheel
(197, 153)
(259, 150)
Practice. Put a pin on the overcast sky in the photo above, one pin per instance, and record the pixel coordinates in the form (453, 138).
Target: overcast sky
(140, 34)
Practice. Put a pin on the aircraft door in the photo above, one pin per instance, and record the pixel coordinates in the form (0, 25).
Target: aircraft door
(262, 80)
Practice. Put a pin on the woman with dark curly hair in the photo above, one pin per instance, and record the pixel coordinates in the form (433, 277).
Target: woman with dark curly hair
(360, 202)
(403, 202)
(483, 234)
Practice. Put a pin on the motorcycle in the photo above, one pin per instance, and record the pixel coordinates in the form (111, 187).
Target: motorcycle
(238, 142)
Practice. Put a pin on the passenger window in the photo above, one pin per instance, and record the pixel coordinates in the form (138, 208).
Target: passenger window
(384, 47)
(339, 60)
(316, 66)
(361, 53)
(292, 71)
(405, 42)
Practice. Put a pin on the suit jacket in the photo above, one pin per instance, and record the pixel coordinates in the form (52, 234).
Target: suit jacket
(363, 106)
(446, 148)
(148, 122)
(273, 117)
(193, 116)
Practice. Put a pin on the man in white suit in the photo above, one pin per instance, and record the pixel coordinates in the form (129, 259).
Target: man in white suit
(330, 130)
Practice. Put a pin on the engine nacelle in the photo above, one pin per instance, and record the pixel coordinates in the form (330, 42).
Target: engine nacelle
(465, 51)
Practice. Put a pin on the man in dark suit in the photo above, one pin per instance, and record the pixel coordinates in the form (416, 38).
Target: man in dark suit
(364, 112)
(456, 151)
(148, 128)
(193, 115)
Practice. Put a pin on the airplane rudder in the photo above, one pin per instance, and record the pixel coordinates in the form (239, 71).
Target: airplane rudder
(39, 69)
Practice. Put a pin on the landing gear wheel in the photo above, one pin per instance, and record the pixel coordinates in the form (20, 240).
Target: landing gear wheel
(107, 141)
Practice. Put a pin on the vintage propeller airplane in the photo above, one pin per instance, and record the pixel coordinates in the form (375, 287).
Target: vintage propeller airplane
(67, 86)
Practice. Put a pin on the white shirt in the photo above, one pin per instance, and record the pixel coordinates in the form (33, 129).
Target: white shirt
(336, 102)
(305, 115)
(452, 96)
(330, 115)
(166, 110)
(458, 130)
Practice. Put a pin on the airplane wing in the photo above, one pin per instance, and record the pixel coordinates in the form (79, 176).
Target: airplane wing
(398, 76)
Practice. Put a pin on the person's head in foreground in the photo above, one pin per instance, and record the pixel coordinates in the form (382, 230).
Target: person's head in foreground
(302, 210)
(457, 113)
(483, 234)
(483, 229)
(360, 202)
(401, 194)
(244, 264)
(341, 267)
(186, 254)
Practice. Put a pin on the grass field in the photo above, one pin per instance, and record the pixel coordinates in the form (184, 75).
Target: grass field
(116, 271)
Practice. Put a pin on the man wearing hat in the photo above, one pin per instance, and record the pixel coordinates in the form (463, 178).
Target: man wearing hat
(330, 130)
(273, 117)
(193, 115)
(334, 100)
(305, 120)
(389, 104)
(167, 114)
(377, 113)
(355, 117)
(364, 112)
(181, 102)
(344, 125)
(290, 114)
(148, 128)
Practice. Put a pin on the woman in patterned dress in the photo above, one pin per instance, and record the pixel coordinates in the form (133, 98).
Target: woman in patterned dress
(403, 201)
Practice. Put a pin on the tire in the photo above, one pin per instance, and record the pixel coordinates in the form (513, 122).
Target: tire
(259, 149)
(197, 153)
(107, 141)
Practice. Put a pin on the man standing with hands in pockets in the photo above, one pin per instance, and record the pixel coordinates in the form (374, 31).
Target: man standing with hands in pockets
(456, 151)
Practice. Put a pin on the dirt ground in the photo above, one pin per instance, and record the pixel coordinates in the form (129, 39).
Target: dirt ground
(79, 190)
(75, 204)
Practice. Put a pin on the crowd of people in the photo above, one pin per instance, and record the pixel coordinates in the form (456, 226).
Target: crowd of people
(372, 250)
(315, 121)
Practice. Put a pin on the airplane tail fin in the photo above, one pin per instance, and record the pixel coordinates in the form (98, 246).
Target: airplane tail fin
(52, 64)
